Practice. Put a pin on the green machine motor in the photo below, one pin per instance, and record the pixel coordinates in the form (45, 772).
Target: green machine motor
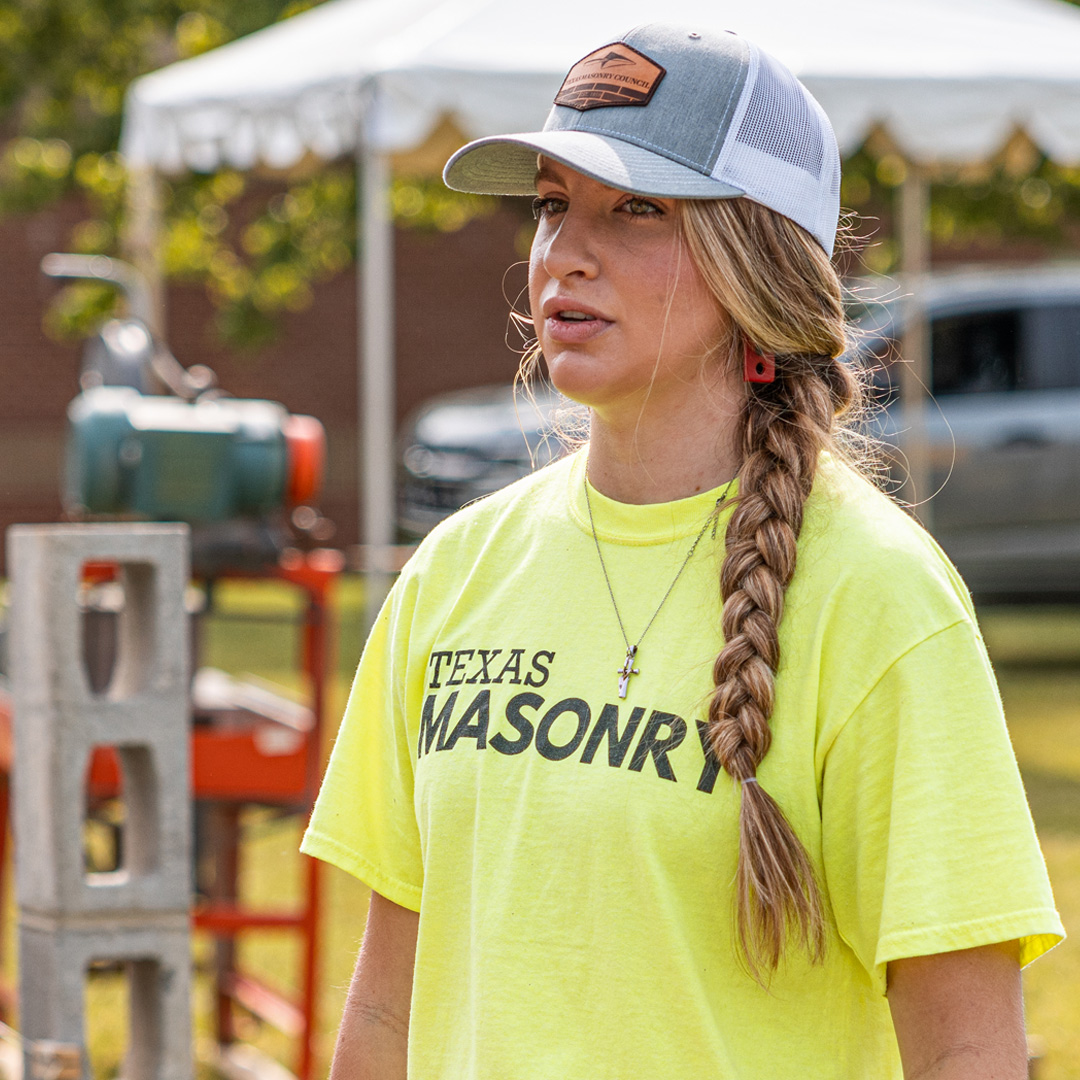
(153, 440)
(209, 460)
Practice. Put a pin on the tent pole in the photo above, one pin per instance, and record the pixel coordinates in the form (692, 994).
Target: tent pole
(915, 373)
(141, 239)
(375, 373)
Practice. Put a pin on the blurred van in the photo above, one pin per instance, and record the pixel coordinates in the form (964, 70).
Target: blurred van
(1003, 424)
(1003, 427)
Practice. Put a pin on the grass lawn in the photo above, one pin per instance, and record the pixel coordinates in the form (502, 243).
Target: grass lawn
(1037, 656)
(1036, 653)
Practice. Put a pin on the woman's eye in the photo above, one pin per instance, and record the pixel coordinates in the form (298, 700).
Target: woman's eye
(546, 207)
(637, 207)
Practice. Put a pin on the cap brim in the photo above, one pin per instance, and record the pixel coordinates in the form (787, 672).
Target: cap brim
(506, 165)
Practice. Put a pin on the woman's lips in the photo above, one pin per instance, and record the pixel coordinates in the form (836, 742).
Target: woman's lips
(574, 331)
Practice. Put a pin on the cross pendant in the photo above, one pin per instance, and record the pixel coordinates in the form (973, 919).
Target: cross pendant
(627, 670)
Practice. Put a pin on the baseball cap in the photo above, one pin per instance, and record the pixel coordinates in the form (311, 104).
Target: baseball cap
(677, 112)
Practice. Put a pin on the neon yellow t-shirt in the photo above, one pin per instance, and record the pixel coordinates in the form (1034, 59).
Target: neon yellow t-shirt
(571, 854)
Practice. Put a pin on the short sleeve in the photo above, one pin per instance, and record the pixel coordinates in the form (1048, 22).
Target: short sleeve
(364, 819)
(928, 843)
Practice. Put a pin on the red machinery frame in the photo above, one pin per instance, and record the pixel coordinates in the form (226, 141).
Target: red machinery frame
(233, 766)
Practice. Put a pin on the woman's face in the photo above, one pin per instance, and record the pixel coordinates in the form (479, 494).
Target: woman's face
(622, 314)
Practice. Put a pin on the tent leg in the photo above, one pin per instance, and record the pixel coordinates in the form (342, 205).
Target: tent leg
(375, 377)
(915, 372)
(141, 241)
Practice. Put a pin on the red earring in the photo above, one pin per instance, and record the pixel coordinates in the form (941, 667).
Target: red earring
(758, 367)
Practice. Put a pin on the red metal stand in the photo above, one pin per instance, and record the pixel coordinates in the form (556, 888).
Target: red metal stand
(231, 768)
(247, 760)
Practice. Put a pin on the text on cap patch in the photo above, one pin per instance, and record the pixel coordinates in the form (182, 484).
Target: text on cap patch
(613, 75)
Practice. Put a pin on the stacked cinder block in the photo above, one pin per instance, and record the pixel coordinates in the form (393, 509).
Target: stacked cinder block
(137, 915)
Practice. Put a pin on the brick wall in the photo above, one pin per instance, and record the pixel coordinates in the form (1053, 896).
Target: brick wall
(37, 377)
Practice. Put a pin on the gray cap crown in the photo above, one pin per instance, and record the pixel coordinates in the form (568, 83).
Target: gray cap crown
(723, 119)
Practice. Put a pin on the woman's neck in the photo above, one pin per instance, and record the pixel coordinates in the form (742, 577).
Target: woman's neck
(660, 459)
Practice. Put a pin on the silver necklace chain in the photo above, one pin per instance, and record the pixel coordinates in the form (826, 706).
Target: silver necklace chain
(628, 669)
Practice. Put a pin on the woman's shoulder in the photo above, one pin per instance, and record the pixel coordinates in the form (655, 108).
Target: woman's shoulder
(861, 545)
(847, 503)
(871, 590)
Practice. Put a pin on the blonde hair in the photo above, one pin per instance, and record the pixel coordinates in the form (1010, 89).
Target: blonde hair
(784, 297)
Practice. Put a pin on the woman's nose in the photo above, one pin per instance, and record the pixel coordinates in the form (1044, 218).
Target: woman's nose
(571, 247)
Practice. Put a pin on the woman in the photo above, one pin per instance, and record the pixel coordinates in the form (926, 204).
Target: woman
(682, 757)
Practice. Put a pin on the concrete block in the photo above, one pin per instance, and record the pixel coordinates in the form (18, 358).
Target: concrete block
(54, 956)
(143, 712)
(153, 644)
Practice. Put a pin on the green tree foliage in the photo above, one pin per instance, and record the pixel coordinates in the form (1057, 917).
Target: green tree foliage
(257, 246)
(1018, 206)
(67, 63)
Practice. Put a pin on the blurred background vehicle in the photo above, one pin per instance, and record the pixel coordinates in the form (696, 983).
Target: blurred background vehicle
(460, 446)
(1003, 426)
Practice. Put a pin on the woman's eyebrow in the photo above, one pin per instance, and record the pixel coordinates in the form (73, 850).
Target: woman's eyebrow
(545, 173)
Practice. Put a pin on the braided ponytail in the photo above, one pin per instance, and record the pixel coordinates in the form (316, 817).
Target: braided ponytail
(783, 296)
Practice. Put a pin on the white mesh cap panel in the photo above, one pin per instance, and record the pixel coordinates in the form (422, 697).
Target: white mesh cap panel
(783, 152)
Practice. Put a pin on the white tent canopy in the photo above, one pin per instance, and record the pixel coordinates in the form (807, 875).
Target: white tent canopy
(949, 80)
(270, 97)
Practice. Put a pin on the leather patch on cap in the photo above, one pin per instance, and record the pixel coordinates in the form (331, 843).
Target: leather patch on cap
(613, 75)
